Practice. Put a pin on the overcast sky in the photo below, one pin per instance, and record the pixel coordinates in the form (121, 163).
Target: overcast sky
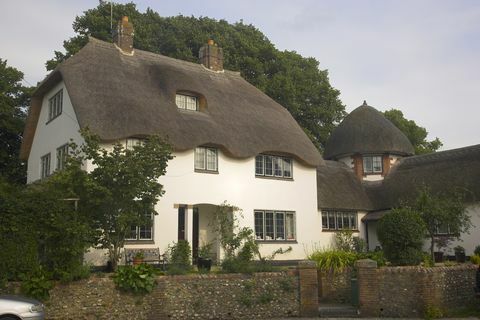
(422, 57)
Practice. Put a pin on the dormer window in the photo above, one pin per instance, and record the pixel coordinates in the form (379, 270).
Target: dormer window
(372, 164)
(55, 105)
(187, 102)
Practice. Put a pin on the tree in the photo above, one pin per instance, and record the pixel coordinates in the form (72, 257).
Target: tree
(442, 212)
(123, 187)
(290, 79)
(416, 134)
(14, 100)
(401, 233)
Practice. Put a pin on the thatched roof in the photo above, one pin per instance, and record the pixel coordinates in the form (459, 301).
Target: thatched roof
(339, 188)
(119, 96)
(440, 172)
(365, 130)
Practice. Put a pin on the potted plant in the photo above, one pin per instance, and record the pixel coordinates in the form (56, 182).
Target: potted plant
(204, 261)
(459, 254)
(138, 258)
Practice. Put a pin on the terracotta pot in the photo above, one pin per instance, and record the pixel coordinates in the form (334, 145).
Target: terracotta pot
(137, 261)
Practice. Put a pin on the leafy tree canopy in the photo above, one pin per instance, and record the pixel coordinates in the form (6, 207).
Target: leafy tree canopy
(14, 100)
(443, 214)
(122, 188)
(401, 233)
(290, 79)
(416, 134)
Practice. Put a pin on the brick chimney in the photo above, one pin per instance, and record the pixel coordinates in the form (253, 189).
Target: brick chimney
(211, 56)
(123, 36)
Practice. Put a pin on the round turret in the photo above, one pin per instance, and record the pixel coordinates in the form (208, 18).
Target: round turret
(366, 131)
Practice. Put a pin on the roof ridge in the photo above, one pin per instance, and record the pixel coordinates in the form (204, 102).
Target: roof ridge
(440, 154)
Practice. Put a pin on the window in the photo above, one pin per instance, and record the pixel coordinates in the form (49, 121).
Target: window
(141, 232)
(62, 153)
(274, 225)
(130, 143)
(45, 166)
(186, 102)
(339, 220)
(273, 166)
(443, 229)
(372, 164)
(206, 159)
(55, 105)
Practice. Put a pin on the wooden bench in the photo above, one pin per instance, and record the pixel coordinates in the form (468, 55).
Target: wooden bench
(150, 256)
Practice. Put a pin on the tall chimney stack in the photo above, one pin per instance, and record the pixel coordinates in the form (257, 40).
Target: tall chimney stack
(123, 36)
(211, 56)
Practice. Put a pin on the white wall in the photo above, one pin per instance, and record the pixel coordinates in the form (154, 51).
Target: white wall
(49, 136)
(236, 183)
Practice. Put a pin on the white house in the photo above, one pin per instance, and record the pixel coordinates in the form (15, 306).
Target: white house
(231, 143)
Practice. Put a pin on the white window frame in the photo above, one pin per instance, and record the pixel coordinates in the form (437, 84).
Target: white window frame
(201, 159)
(341, 216)
(371, 168)
(261, 235)
(186, 101)
(277, 168)
(45, 163)
(137, 230)
(62, 153)
(55, 105)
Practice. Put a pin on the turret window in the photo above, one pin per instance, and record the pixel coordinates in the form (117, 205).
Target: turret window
(372, 164)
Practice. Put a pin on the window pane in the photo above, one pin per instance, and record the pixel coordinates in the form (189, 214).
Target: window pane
(259, 225)
(269, 234)
(200, 158)
(290, 226)
(145, 232)
(45, 166)
(280, 225)
(180, 101)
(324, 220)
(346, 220)
(132, 235)
(259, 165)
(211, 159)
(353, 220)
(268, 166)
(287, 167)
(278, 166)
(191, 103)
(367, 164)
(62, 157)
(339, 220)
(331, 220)
(377, 164)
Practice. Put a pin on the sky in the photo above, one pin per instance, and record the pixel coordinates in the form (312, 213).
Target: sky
(421, 56)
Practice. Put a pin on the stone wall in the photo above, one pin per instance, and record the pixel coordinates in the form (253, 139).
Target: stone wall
(335, 288)
(212, 296)
(408, 291)
(229, 296)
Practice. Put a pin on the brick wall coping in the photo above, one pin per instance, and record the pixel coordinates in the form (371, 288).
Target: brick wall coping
(420, 269)
(228, 275)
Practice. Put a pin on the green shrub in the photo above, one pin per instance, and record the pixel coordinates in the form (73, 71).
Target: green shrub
(432, 312)
(427, 260)
(136, 279)
(377, 256)
(333, 261)
(180, 258)
(37, 284)
(475, 259)
(477, 250)
(402, 233)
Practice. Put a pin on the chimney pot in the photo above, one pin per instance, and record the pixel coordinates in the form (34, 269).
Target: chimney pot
(123, 36)
(211, 56)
